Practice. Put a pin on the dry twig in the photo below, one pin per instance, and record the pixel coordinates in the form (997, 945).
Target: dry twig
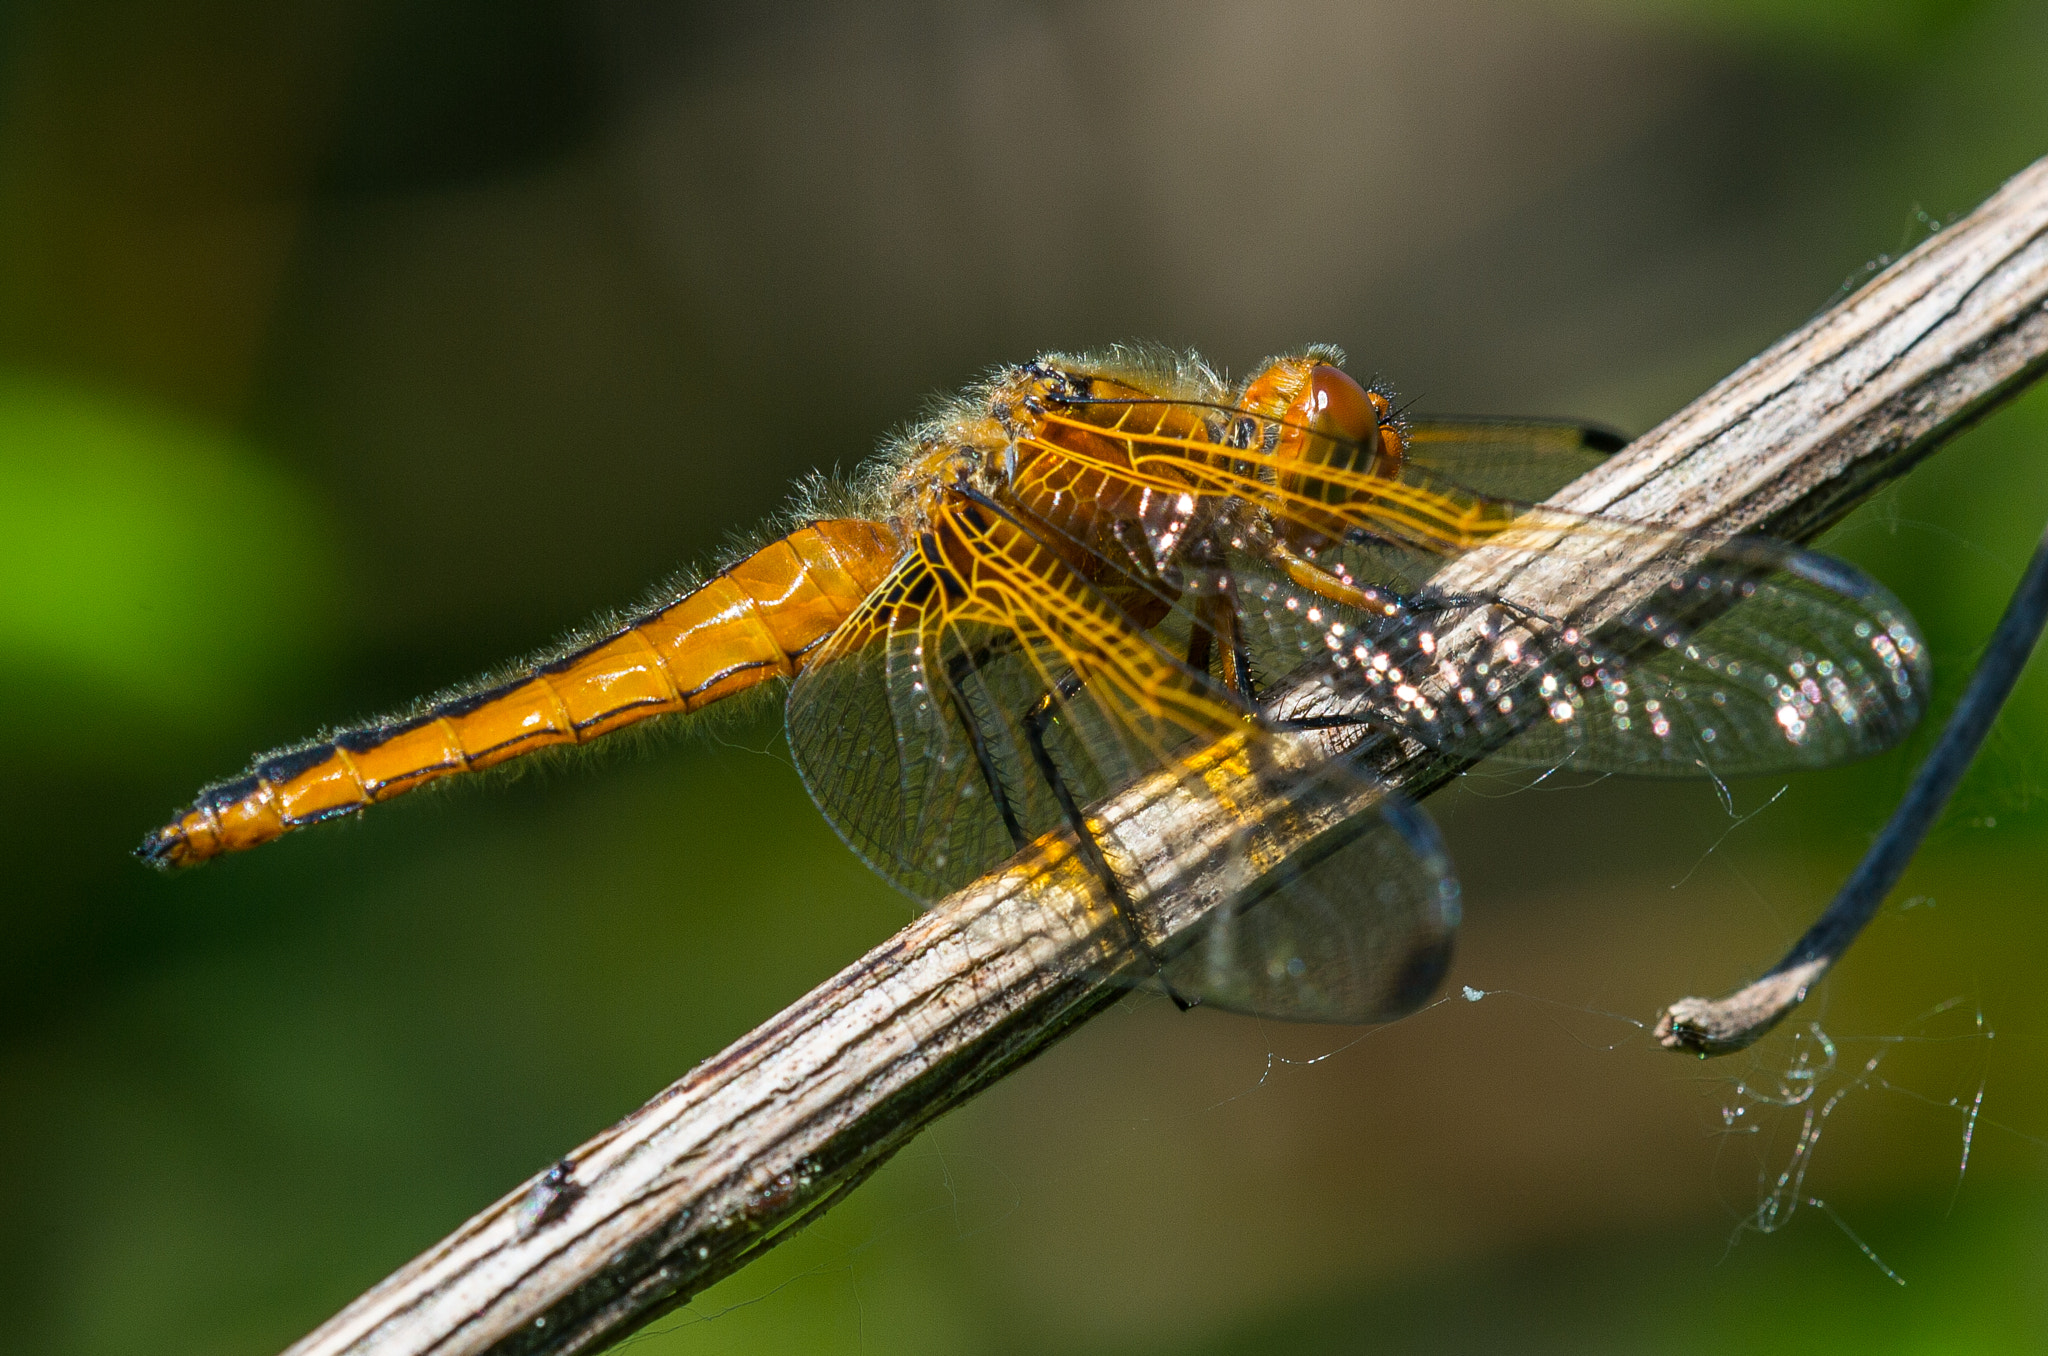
(1721, 1026)
(770, 1132)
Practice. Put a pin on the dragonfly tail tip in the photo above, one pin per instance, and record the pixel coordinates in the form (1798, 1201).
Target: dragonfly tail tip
(165, 849)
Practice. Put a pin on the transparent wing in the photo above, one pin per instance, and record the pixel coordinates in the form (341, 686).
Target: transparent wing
(1521, 459)
(1353, 926)
(924, 726)
(882, 740)
(1757, 658)
(942, 726)
(1762, 658)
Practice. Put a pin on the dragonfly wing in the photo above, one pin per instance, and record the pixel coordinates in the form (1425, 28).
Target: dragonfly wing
(884, 745)
(1352, 926)
(1521, 459)
(915, 732)
(1762, 658)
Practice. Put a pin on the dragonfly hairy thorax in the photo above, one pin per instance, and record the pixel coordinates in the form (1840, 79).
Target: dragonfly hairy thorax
(1093, 570)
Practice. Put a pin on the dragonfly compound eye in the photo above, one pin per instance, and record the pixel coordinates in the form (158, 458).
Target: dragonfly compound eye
(1332, 402)
(1335, 423)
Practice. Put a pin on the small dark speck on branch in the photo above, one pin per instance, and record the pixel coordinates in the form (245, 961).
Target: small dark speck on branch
(770, 1132)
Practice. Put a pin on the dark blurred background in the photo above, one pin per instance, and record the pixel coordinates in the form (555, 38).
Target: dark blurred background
(351, 347)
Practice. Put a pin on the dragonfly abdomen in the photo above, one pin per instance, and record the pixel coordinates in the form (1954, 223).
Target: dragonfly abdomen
(755, 620)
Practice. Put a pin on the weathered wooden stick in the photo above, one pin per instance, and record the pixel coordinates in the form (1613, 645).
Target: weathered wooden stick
(773, 1130)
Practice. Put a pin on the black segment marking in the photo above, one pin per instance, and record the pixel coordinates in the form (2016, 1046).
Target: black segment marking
(221, 797)
(363, 740)
(513, 742)
(715, 679)
(157, 848)
(371, 736)
(285, 766)
(474, 701)
(320, 816)
(612, 714)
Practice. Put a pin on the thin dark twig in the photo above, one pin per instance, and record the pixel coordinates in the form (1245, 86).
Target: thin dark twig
(1703, 1026)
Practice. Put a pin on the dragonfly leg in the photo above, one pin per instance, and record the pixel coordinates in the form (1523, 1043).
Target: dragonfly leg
(1379, 598)
(1374, 602)
(1216, 620)
(1422, 604)
(957, 670)
(1035, 721)
(1396, 612)
(1336, 721)
(1201, 645)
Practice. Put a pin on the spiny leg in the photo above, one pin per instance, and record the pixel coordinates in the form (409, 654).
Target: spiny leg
(1216, 620)
(1035, 721)
(1201, 644)
(1216, 616)
(1332, 721)
(1343, 591)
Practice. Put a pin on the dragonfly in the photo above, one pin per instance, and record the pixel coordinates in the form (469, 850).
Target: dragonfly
(1089, 570)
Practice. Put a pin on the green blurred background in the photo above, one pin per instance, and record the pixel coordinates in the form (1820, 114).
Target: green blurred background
(350, 347)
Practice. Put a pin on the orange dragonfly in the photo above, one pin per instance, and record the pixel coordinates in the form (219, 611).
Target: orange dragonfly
(1088, 569)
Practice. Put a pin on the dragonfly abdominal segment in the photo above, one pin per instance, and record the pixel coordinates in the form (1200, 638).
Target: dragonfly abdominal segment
(753, 621)
(1037, 630)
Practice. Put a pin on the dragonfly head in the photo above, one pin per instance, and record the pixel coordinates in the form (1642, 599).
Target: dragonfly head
(1324, 418)
(1320, 419)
